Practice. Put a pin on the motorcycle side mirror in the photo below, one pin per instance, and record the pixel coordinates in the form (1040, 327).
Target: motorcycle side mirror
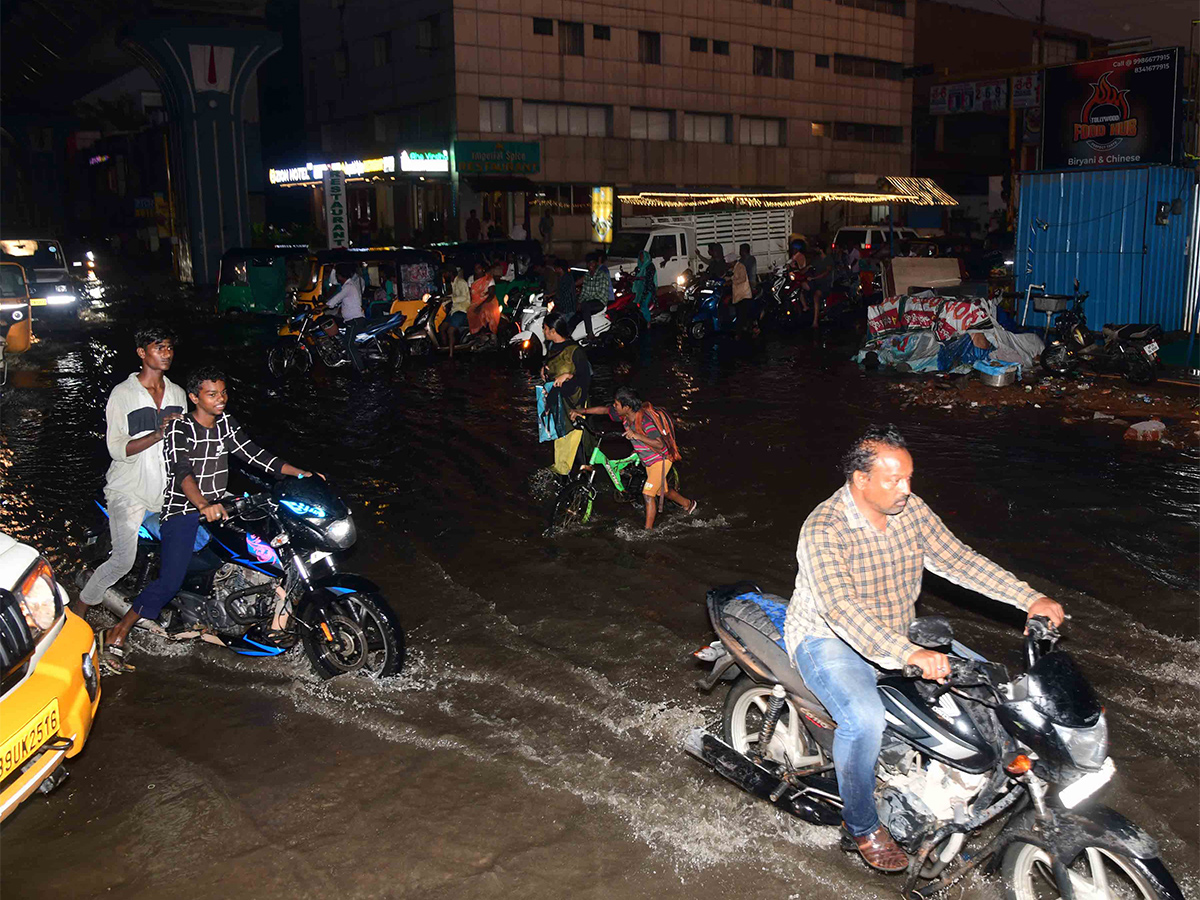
(931, 632)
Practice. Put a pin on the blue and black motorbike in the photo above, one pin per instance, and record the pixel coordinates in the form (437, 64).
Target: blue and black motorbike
(309, 335)
(712, 313)
(266, 579)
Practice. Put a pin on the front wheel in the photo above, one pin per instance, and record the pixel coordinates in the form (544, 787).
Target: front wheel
(1057, 360)
(573, 506)
(288, 358)
(623, 332)
(698, 330)
(364, 638)
(1096, 873)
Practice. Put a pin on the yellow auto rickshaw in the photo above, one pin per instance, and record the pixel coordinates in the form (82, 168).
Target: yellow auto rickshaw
(16, 323)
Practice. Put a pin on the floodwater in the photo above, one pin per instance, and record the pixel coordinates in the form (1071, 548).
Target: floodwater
(531, 747)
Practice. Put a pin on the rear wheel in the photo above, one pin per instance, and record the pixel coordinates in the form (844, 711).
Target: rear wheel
(573, 506)
(741, 723)
(1138, 368)
(397, 353)
(364, 638)
(1096, 873)
(697, 331)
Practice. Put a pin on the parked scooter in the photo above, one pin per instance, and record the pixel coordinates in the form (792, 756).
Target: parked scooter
(266, 579)
(318, 334)
(1018, 758)
(1130, 350)
(423, 338)
(528, 340)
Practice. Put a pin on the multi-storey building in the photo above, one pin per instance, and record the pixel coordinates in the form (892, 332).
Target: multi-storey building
(536, 102)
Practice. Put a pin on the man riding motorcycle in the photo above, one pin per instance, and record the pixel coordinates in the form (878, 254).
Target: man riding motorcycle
(861, 555)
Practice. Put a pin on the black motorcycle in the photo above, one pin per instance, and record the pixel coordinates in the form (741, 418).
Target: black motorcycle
(982, 771)
(266, 579)
(319, 335)
(1129, 350)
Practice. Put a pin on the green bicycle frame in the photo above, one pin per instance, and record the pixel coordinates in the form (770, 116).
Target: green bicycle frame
(614, 467)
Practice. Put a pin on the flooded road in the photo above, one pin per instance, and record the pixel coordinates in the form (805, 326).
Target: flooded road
(532, 746)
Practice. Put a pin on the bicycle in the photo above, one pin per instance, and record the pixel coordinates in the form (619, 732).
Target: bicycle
(574, 503)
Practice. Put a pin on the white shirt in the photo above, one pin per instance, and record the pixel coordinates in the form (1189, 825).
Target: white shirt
(349, 298)
(518, 232)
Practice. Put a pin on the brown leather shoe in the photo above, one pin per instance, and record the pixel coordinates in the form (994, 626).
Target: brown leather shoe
(879, 851)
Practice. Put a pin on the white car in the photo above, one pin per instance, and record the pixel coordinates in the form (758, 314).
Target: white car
(870, 238)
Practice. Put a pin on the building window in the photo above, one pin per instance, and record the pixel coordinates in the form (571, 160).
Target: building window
(865, 67)
(820, 129)
(721, 48)
(650, 124)
(1058, 51)
(822, 61)
(699, 45)
(543, 26)
(566, 118)
(650, 47)
(495, 115)
(890, 7)
(383, 49)
(601, 33)
(570, 38)
(764, 61)
(865, 133)
(761, 132)
(339, 62)
(784, 4)
(427, 33)
(705, 129)
(785, 64)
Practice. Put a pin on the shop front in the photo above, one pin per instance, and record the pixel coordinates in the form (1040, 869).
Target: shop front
(370, 202)
(425, 198)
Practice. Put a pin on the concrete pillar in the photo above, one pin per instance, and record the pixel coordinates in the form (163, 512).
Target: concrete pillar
(204, 74)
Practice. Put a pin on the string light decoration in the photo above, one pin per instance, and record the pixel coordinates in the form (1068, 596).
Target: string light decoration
(917, 191)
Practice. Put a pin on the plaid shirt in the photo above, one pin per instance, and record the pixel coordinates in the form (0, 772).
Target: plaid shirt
(203, 453)
(862, 585)
(595, 286)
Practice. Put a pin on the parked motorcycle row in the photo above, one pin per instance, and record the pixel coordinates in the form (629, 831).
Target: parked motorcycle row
(701, 307)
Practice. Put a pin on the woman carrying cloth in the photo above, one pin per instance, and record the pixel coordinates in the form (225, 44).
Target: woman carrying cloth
(568, 367)
(645, 284)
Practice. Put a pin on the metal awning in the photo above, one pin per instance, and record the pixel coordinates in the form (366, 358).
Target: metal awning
(920, 191)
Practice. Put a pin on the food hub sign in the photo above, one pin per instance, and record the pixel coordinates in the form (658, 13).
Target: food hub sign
(1122, 111)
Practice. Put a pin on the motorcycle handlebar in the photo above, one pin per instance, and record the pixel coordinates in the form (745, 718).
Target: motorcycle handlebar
(239, 506)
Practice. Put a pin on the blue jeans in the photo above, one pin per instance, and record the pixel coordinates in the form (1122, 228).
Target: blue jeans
(178, 538)
(845, 682)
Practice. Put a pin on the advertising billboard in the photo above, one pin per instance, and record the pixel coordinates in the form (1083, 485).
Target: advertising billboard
(1120, 111)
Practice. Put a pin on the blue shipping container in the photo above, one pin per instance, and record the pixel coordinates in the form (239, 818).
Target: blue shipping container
(1100, 226)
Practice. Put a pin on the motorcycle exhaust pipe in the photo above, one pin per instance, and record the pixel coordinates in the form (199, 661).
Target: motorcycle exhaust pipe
(754, 779)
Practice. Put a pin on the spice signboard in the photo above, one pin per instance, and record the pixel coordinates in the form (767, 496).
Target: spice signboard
(497, 157)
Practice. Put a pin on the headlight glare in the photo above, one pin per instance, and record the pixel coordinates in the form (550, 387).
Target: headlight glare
(1088, 747)
(38, 596)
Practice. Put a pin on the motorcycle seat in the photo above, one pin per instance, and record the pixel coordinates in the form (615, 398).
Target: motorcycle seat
(1131, 332)
(756, 620)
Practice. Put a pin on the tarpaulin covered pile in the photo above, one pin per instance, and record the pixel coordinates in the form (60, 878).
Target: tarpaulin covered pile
(928, 333)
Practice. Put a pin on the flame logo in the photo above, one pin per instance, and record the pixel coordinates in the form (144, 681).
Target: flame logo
(1099, 127)
(1104, 94)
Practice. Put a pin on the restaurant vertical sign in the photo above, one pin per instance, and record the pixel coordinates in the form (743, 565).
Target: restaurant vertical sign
(335, 208)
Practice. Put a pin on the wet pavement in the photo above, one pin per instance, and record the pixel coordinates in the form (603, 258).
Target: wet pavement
(531, 748)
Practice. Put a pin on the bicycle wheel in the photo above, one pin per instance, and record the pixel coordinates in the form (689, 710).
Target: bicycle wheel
(572, 507)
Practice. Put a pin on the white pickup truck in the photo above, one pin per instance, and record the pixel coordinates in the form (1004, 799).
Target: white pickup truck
(672, 240)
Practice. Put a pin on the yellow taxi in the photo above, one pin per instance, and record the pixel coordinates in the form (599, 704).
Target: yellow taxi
(51, 677)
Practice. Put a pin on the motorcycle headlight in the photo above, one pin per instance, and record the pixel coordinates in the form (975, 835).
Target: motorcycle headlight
(341, 533)
(39, 600)
(1087, 747)
(680, 280)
